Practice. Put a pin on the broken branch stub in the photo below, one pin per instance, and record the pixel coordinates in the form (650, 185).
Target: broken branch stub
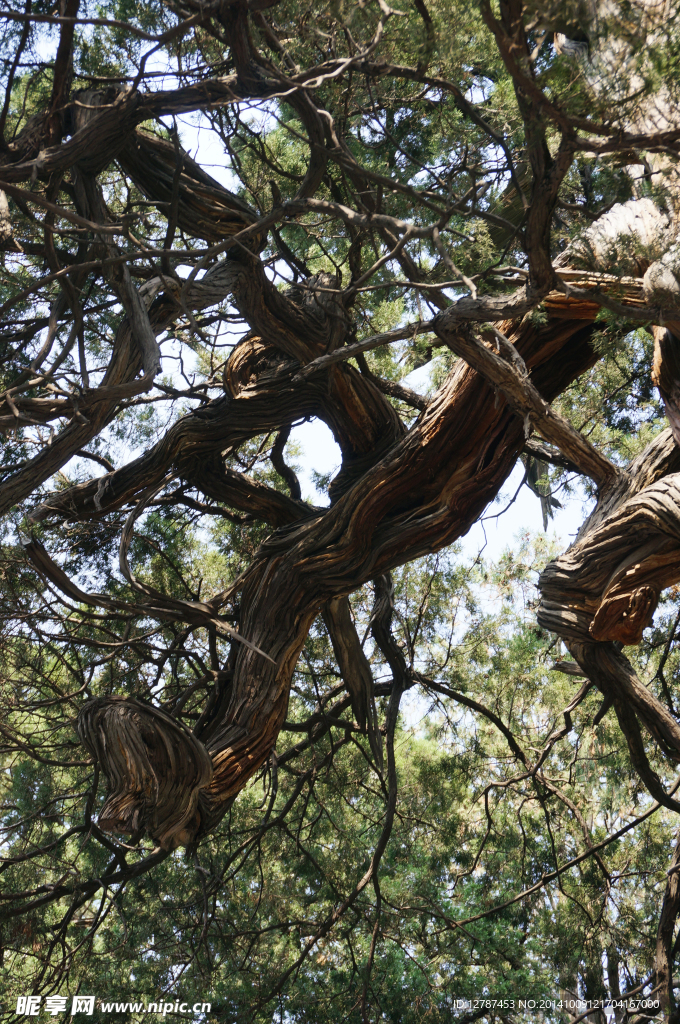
(155, 767)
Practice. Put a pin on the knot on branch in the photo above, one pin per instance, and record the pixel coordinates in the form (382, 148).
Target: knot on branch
(624, 615)
(155, 768)
(251, 360)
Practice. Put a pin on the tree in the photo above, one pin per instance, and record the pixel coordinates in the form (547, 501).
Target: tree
(490, 189)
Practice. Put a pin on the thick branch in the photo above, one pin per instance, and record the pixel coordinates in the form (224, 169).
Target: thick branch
(155, 767)
(423, 495)
(506, 369)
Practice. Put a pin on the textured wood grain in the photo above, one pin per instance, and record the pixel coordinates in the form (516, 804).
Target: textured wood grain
(426, 490)
(602, 593)
(155, 768)
(398, 494)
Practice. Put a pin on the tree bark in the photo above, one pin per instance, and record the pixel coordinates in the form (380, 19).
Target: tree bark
(423, 494)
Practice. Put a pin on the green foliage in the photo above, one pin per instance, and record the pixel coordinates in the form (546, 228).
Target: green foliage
(226, 922)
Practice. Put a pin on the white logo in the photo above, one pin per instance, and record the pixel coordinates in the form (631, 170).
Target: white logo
(55, 1004)
(28, 1005)
(83, 1004)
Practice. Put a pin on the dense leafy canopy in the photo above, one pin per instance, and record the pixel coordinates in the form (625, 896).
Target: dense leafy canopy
(300, 756)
